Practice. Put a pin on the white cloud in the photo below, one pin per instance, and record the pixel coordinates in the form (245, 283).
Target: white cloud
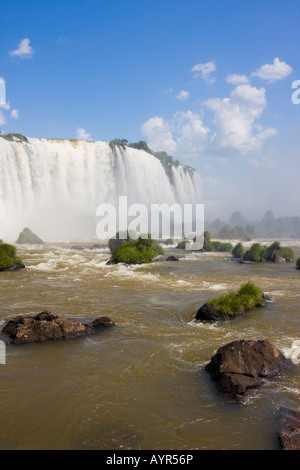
(14, 114)
(205, 71)
(2, 92)
(182, 136)
(272, 72)
(236, 79)
(159, 134)
(2, 119)
(191, 134)
(264, 162)
(81, 134)
(24, 50)
(236, 130)
(182, 96)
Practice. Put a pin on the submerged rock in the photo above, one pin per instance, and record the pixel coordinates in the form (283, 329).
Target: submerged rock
(242, 364)
(28, 237)
(289, 429)
(49, 326)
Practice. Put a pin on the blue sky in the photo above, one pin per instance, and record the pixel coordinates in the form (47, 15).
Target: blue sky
(210, 82)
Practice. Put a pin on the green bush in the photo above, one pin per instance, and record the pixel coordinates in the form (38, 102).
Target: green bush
(248, 297)
(287, 253)
(209, 245)
(118, 143)
(137, 251)
(181, 245)
(8, 256)
(271, 253)
(14, 137)
(238, 251)
(169, 241)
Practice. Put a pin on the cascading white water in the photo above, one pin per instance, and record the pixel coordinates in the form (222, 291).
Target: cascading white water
(55, 186)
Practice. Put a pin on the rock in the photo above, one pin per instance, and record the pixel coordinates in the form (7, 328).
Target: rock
(289, 429)
(13, 267)
(242, 364)
(28, 237)
(111, 261)
(49, 326)
(209, 312)
(172, 258)
(77, 247)
(279, 259)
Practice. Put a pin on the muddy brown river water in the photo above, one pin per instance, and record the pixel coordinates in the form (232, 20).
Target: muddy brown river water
(141, 384)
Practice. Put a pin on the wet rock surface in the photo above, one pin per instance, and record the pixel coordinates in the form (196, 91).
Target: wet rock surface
(49, 326)
(289, 429)
(241, 365)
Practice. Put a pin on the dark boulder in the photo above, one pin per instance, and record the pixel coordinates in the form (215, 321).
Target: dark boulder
(13, 267)
(242, 364)
(209, 312)
(289, 429)
(172, 258)
(49, 326)
(111, 261)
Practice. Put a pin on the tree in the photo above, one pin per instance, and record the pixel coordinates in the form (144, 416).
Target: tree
(238, 251)
(141, 145)
(118, 142)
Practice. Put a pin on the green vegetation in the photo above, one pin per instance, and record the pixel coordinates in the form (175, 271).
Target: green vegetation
(238, 227)
(215, 245)
(141, 145)
(11, 137)
(235, 233)
(118, 143)
(248, 297)
(208, 244)
(166, 160)
(181, 245)
(8, 256)
(256, 252)
(287, 253)
(238, 251)
(272, 253)
(298, 263)
(138, 251)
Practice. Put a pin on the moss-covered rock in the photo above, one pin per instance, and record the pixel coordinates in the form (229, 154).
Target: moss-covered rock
(232, 304)
(140, 251)
(272, 253)
(28, 237)
(121, 238)
(8, 258)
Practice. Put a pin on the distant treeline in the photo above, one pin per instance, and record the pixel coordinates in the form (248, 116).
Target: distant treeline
(238, 227)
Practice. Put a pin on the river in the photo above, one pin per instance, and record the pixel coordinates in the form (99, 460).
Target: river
(141, 384)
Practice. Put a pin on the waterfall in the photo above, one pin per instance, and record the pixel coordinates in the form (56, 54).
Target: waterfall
(55, 186)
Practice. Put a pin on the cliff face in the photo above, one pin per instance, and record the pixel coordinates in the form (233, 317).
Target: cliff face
(51, 182)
